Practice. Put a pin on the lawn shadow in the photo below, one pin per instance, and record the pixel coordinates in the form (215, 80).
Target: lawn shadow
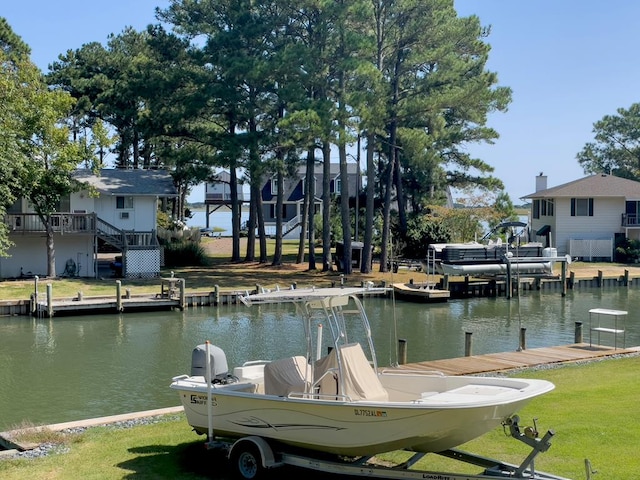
(190, 461)
(184, 461)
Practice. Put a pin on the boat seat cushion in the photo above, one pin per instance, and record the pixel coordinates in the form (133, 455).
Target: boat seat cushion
(359, 380)
(287, 375)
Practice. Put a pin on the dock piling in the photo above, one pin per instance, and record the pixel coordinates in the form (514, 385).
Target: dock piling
(523, 339)
(49, 300)
(118, 295)
(402, 351)
(467, 344)
(183, 300)
(578, 333)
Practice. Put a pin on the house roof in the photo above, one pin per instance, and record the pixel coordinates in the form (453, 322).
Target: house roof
(129, 182)
(599, 185)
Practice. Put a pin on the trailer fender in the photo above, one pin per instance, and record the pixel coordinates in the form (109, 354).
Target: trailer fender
(267, 457)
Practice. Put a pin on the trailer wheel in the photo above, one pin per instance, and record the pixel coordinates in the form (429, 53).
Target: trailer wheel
(246, 462)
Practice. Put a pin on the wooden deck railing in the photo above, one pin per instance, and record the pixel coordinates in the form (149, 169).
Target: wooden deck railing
(60, 222)
(81, 223)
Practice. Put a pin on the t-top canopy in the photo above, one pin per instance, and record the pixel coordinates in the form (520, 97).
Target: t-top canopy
(308, 294)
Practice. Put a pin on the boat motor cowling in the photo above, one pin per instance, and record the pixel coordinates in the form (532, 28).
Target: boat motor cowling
(218, 359)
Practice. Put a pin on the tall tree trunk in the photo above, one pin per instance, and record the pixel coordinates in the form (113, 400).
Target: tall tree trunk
(236, 207)
(370, 205)
(401, 201)
(277, 254)
(304, 219)
(51, 249)
(393, 131)
(260, 219)
(251, 224)
(311, 187)
(344, 210)
(136, 148)
(326, 207)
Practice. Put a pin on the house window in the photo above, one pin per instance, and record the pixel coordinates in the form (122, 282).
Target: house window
(124, 202)
(337, 184)
(582, 207)
(543, 208)
(274, 186)
(64, 204)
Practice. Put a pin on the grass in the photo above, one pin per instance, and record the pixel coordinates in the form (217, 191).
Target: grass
(592, 410)
(246, 275)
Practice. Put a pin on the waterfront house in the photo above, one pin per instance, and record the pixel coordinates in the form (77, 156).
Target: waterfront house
(217, 194)
(587, 217)
(117, 210)
(294, 191)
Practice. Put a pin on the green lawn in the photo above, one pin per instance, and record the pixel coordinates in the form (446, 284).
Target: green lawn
(593, 411)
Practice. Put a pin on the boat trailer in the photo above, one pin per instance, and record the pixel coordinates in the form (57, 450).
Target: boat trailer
(252, 457)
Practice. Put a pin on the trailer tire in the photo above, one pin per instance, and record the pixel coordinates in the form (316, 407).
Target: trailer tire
(246, 462)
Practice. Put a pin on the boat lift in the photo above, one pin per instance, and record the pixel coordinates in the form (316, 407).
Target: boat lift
(252, 457)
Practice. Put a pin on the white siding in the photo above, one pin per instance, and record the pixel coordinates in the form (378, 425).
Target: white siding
(142, 217)
(30, 256)
(604, 223)
(82, 201)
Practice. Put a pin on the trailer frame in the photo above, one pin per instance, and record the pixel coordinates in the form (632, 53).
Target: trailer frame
(252, 457)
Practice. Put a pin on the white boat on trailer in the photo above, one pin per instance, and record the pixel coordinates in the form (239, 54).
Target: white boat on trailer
(340, 403)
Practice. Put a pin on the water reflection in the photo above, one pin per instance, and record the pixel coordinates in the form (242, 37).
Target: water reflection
(61, 369)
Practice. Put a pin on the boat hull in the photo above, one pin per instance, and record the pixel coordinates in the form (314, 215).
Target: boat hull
(420, 293)
(430, 414)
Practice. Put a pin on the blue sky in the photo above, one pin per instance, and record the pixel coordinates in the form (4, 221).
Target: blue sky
(569, 63)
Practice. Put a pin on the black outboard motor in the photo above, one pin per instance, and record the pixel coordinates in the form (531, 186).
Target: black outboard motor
(219, 368)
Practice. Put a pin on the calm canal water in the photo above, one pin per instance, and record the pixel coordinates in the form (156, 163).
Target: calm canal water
(72, 368)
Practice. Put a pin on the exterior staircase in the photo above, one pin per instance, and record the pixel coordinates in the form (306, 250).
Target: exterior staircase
(111, 235)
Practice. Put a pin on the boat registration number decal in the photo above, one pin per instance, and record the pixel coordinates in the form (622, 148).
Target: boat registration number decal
(365, 412)
(201, 400)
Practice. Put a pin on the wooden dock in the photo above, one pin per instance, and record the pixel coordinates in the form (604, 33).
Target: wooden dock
(505, 361)
(95, 305)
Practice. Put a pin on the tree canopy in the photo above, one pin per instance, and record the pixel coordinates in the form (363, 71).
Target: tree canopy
(37, 155)
(258, 88)
(616, 146)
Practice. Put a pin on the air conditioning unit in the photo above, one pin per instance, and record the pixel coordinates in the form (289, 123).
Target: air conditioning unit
(124, 215)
